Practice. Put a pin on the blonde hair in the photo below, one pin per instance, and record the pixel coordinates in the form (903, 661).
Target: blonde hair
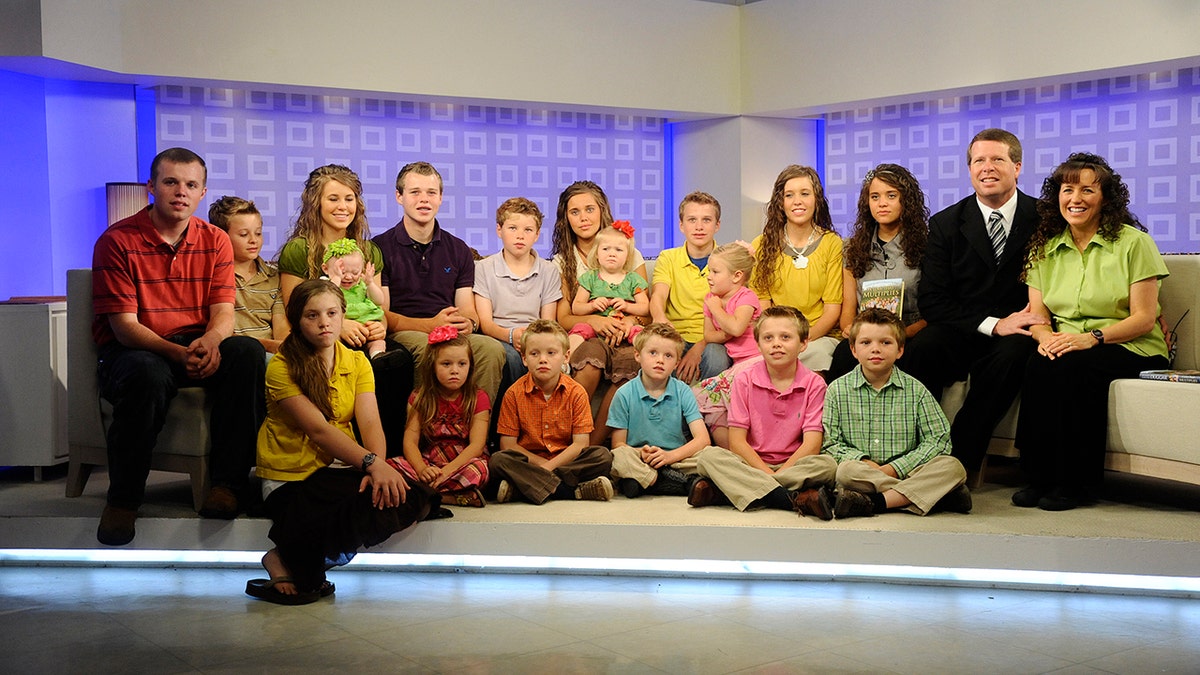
(662, 330)
(739, 257)
(612, 233)
(545, 327)
(783, 312)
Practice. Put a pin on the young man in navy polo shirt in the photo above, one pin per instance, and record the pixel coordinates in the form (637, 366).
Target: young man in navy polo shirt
(431, 274)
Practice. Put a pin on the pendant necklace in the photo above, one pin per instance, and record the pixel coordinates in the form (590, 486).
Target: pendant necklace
(799, 260)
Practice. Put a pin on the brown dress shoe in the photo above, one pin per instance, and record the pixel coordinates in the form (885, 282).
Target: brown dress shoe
(704, 492)
(851, 504)
(220, 503)
(116, 526)
(813, 503)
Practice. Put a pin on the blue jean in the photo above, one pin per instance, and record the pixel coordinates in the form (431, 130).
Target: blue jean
(141, 384)
(714, 359)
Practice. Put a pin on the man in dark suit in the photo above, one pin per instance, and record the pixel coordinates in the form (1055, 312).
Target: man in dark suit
(972, 295)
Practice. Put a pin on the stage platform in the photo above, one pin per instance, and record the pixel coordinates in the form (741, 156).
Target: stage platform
(1142, 527)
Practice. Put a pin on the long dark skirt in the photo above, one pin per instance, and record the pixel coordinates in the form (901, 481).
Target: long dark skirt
(322, 521)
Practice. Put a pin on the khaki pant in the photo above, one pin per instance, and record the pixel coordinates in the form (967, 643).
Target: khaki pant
(627, 463)
(924, 487)
(743, 484)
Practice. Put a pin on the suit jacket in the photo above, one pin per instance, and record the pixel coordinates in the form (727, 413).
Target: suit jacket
(962, 283)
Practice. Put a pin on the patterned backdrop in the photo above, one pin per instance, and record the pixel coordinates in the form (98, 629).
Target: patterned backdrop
(261, 145)
(1147, 126)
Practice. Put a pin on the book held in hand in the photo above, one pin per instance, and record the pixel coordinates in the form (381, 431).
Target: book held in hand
(885, 294)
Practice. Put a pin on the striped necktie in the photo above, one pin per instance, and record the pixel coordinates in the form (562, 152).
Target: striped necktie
(996, 233)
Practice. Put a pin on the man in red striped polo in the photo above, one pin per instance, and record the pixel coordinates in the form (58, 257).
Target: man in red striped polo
(163, 290)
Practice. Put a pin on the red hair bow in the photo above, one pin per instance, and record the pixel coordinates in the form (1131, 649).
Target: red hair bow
(624, 228)
(442, 334)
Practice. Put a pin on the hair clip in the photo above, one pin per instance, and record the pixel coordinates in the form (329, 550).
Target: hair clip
(624, 228)
(339, 248)
(746, 245)
(442, 334)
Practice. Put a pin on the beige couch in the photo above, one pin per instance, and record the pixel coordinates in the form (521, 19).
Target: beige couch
(183, 444)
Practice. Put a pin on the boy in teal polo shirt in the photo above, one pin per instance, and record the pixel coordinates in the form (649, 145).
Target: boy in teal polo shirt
(648, 416)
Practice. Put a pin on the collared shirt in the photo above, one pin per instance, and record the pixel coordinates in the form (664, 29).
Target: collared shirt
(661, 421)
(169, 288)
(1089, 290)
(689, 285)
(900, 424)
(517, 301)
(776, 421)
(284, 452)
(258, 302)
(809, 288)
(1008, 210)
(422, 278)
(540, 425)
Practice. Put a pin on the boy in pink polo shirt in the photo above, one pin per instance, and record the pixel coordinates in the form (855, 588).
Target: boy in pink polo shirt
(775, 431)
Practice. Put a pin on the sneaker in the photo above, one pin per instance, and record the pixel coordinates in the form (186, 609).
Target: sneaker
(671, 482)
(704, 492)
(220, 503)
(504, 492)
(116, 526)
(813, 503)
(596, 490)
(957, 500)
(851, 504)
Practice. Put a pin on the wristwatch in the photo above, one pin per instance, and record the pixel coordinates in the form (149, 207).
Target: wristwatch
(474, 326)
(1099, 335)
(368, 460)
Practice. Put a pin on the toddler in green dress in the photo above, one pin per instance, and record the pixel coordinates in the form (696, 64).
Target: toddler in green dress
(345, 265)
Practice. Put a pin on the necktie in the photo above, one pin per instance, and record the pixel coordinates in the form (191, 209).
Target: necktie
(996, 233)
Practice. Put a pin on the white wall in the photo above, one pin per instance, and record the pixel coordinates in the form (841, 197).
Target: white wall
(806, 56)
(736, 159)
(677, 56)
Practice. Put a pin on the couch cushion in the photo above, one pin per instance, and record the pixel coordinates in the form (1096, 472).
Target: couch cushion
(1154, 419)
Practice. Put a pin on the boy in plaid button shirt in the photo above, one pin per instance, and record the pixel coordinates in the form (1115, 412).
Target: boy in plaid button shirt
(889, 435)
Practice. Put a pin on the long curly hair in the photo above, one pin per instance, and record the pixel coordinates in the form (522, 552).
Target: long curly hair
(914, 220)
(308, 222)
(564, 237)
(1114, 207)
(304, 364)
(773, 232)
(425, 399)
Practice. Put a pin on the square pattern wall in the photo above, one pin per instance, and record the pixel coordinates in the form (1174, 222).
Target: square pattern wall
(1147, 126)
(261, 145)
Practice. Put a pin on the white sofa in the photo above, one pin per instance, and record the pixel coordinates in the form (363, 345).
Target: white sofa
(1154, 426)
(184, 443)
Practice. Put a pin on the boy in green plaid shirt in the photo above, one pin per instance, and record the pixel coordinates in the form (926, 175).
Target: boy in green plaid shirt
(887, 432)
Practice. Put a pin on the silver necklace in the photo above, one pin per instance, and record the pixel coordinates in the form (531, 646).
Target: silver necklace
(799, 260)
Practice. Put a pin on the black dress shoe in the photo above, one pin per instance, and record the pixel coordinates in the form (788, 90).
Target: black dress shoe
(1028, 498)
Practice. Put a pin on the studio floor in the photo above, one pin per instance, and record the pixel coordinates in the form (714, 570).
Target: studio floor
(94, 618)
(72, 620)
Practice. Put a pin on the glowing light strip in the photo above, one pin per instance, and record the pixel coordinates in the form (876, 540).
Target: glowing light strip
(686, 568)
